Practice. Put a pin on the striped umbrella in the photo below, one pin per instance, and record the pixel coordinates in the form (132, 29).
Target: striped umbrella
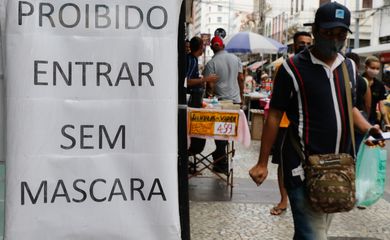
(249, 42)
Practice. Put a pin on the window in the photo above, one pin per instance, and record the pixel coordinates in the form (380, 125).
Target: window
(367, 3)
(296, 6)
(219, 19)
(302, 1)
(292, 7)
(219, 8)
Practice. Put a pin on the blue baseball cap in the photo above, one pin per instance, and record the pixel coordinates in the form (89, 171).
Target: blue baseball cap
(332, 15)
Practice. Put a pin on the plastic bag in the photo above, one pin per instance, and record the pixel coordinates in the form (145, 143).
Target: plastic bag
(370, 174)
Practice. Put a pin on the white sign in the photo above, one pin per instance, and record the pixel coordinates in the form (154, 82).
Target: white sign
(225, 128)
(91, 119)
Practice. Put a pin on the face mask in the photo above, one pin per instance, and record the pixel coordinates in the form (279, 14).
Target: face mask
(372, 72)
(300, 48)
(328, 47)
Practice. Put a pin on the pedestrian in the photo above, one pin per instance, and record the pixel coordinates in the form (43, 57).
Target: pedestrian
(196, 87)
(187, 46)
(378, 91)
(310, 88)
(302, 40)
(363, 96)
(250, 83)
(229, 86)
(386, 81)
(363, 91)
(266, 83)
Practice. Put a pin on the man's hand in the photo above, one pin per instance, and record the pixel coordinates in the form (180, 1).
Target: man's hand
(376, 133)
(258, 174)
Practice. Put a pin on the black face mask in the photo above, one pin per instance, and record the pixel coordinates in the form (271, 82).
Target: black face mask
(327, 47)
(300, 48)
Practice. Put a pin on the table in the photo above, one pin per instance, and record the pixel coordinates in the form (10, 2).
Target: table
(248, 97)
(220, 124)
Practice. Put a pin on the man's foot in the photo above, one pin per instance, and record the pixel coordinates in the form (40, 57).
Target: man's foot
(276, 211)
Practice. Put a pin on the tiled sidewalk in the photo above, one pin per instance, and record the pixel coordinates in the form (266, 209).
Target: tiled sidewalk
(246, 216)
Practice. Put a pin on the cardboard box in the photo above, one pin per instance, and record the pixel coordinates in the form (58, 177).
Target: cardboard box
(257, 123)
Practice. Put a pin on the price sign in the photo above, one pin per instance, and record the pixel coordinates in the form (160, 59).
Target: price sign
(216, 123)
(225, 128)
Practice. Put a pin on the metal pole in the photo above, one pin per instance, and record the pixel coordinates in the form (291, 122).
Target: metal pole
(182, 163)
(356, 41)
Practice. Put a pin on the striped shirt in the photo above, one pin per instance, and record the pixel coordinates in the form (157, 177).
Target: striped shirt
(313, 96)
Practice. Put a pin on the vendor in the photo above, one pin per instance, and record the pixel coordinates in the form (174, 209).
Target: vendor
(266, 83)
(196, 87)
(250, 83)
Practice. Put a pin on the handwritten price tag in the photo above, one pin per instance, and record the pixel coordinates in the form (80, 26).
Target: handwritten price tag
(213, 123)
(225, 128)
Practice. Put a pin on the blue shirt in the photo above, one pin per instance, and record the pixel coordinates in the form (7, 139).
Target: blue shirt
(192, 70)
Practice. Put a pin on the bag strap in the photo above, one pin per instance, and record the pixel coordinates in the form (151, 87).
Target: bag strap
(349, 103)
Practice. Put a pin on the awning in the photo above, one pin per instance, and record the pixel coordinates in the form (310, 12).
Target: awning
(277, 62)
(256, 65)
(273, 65)
(370, 50)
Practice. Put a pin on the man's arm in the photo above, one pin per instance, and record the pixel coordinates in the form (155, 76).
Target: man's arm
(364, 126)
(191, 82)
(200, 81)
(259, 172)
(209, 71)
(241, 84)
(359, 121)
(367, 101)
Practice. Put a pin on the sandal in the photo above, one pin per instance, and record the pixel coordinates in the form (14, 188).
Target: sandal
(276, 211)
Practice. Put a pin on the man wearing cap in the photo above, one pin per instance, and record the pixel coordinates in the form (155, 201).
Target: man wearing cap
(310, 88)
(229, 86)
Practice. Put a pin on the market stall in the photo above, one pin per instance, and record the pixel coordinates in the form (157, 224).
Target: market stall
(220, 124)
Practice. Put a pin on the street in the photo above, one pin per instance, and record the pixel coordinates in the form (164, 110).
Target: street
(246, 216)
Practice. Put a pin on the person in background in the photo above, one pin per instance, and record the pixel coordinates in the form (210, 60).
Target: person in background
(229, 86)
(302, 40)
(196, 87)
(265, 82)
(310, 88)
(188, 48)
(363, 96)
(250, 83)
(378, 91)
(386, 81)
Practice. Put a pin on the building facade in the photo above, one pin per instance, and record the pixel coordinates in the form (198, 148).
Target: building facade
(231, 15)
